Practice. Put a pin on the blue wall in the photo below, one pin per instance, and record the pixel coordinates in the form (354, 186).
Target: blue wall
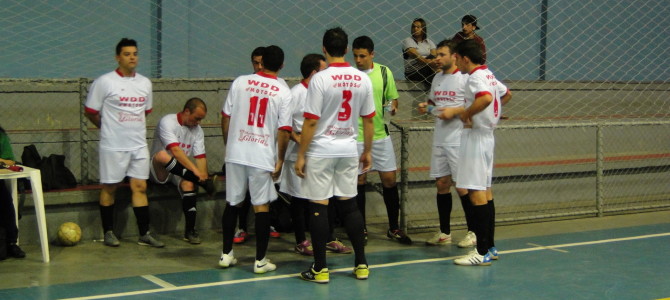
(603, 40)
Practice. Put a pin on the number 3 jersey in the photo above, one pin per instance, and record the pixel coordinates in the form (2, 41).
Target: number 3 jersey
(258, 105)
(336, 97)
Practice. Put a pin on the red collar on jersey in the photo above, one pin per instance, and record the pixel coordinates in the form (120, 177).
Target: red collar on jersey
(260, 73)
(121, 74)
(456, 71)
(304, 83)
(340, 64)
(179, 120)
(482, 67)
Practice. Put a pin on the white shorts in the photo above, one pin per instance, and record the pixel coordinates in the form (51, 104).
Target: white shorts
(116, 165)
(290, 182)
(328, 177)
(444, 161)
(475, 162)
(383, 156)
(176, 180)
(240, 178)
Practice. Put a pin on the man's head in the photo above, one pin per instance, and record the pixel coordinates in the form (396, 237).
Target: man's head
(273, 58)
(469, 24)
(194, 111)
(363, 49)
(335, 42)
(468, 55)
(126, 55)
(257, 59)
(445, 55)
(311, 64)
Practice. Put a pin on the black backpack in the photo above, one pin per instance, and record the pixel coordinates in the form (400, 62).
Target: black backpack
(55, 175)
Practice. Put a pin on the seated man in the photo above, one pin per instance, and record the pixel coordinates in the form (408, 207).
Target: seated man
(178, 137)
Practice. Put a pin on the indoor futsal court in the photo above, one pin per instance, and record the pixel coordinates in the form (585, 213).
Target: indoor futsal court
(615, 257)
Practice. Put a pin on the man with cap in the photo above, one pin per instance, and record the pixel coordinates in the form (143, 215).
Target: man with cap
(468, 27)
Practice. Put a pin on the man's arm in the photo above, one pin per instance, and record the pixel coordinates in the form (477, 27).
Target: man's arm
(283, 137)
(506, 98)
(93, 117)
(306, 136)
(225, 122)
(181, 157)
(368, 133)
(477, 106)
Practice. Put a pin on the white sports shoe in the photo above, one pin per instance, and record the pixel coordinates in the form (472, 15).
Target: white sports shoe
(470, 240)
(263, 266)
(227, 260)
(474, 259)
(439, 239)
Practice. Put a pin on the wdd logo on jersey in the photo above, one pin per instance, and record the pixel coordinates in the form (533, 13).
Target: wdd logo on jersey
(263, 85)
(132, 99)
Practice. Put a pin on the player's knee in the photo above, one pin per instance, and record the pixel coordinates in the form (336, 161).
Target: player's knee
(345, 207)
(138, 186)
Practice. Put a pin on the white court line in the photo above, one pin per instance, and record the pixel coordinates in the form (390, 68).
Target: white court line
(160, 282)
(255, 279)
(548, 248)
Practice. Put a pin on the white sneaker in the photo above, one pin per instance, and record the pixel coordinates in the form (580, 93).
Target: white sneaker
(470, 240)
(227, 260)
(474, 259)
(263, 266)
(439, 239)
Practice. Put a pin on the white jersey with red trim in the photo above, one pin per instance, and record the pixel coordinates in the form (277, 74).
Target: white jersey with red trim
(482, 82)
(336, 97)
(171, 132)
(448, 90)
(122, 103)
(258, 105)
(298, 96)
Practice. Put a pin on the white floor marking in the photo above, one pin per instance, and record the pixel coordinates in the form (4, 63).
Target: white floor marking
(171, 287)
(548, 248)
(160, 282)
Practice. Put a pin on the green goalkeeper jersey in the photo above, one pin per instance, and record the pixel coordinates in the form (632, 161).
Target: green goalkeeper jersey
(383, 94)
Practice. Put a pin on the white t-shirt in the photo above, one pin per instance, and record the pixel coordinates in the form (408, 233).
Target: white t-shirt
(336, 97)
(412, 64)
(258, 105)
(170, 133)
(447, 90)
(482, 82)
(298, 96)
(122, 103)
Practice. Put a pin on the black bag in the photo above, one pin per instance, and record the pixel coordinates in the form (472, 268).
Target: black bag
(280, 215)
(55, 175)
(3, 243)
(30, 157)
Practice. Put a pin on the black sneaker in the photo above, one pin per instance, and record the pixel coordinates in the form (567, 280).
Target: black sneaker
(192, 237)
(399, 236)
(209, 185)
(322, 276)
(15, 251)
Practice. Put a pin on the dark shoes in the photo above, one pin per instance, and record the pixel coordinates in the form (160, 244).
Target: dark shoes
(13, 250)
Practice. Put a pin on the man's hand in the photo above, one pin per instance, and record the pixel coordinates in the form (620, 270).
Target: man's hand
(300, 166)
(366, 160)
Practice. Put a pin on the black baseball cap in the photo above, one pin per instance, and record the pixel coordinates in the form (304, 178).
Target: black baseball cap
(470, 19)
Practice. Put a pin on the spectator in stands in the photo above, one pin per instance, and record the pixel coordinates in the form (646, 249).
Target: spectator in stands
(419, 54)
(7, 212)
(468, 27)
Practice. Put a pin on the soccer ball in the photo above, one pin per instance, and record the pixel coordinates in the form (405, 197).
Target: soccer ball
(69, 234)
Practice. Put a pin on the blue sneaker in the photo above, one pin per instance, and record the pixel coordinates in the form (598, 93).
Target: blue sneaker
(493, 252)
(474, 259)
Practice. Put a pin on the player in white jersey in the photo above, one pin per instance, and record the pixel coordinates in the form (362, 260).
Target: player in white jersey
(117, 103)
(177, 138)
(445, 102)
(328, 156)
(256, 130)
(290, 183)
(484, 97)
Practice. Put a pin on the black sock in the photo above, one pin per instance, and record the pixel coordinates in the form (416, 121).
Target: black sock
(353, 222)
(107, 216)
(188, 201)
(174, 167)
(360, 200)
(467, 210)
(298, 217)
(228, 226)
(318, 224)
(332, 219)
(492, 228)
(444, 204)
(262, 233)
(244, 212)
(482, 219)
(142, 215)
(392, 202)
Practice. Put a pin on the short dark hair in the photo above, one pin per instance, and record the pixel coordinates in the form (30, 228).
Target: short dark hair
(423, 26)
(363, 42)
(471, 50)
(449, 44)
(335, 40)
(257, 52)
(193, 103)
(273, 58)
(309, 63)
(125, 42)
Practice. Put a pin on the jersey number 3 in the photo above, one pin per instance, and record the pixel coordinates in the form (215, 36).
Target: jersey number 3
(345, 110)
(257, 118)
